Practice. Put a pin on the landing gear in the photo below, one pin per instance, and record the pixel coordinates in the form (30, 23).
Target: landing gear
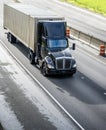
(11, 38)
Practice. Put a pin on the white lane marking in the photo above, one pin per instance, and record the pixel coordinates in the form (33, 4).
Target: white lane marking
(8, 119)
(49, 94)
(104, 93)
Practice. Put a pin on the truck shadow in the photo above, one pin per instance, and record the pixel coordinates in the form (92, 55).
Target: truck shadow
(22, 48)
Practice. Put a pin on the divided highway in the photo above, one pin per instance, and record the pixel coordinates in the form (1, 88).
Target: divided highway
(79, 19)
(83, 95)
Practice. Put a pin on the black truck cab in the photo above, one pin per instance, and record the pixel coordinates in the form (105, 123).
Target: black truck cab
(53, 54)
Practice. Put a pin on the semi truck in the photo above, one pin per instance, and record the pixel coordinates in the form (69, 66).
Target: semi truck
(44, 34)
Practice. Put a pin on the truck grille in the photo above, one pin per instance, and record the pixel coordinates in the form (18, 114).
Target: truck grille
(63, 63)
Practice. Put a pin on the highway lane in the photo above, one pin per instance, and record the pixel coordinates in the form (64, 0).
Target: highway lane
(80, 19)
(23, 104)
(91, 73)
(82, 95)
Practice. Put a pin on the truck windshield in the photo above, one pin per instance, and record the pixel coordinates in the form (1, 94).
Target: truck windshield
(60, 43)
(55, 29)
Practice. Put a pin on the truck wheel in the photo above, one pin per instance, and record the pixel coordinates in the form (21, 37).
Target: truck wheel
(31, 57)
(72, 74)
(11, 38)
(44, 69)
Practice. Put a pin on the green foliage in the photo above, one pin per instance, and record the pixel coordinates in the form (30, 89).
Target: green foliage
(98, 6)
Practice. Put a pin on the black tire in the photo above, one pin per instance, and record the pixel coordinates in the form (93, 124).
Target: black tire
(71, 75)
(31, 57)
(44, 69)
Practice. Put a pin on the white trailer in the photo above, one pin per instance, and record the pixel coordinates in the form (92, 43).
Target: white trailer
(21, 20)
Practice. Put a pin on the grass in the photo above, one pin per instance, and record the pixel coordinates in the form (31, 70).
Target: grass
(98, 6)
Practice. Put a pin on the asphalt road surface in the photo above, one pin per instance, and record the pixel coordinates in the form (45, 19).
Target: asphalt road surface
(79, 19)
(23, 104)
(83, 95)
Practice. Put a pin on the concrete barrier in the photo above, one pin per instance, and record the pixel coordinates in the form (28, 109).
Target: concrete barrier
(17, 1)
(87, 38)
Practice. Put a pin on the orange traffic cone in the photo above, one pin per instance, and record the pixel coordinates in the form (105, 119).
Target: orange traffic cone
(102, 50)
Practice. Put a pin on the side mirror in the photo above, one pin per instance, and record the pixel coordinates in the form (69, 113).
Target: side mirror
(73, 46)
(44, 39)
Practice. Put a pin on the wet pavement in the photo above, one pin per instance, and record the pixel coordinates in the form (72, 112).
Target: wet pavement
(24, 105)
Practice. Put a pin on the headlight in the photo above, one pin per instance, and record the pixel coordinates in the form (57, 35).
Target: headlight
(50, 66)
(74, 66)
(50, 63)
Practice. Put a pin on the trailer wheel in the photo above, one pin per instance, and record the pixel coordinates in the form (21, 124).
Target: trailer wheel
(44, 69)
(31, 57)
(11, 38)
